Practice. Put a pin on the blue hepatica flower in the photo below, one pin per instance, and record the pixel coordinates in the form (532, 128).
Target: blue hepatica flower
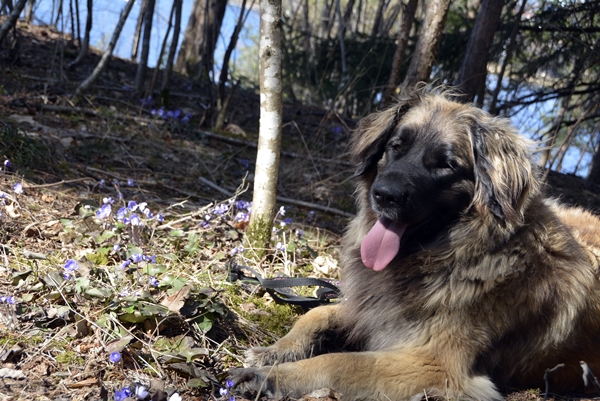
(116, 247)
(242, 204)
(101, 183)
(186, 118)
(160, 218)
(125, 264)
(134, 219)
(115, 357)
(132, 205)
(141, 392)
(221, 209)
(241, 216)
(150, 259)
(137, 258)
(71, 265)
(153, 281)
(104, 211)
(121, 395)
(18, 187)
(108, 200)
(6, 163)
(130, 182)
(282, 211)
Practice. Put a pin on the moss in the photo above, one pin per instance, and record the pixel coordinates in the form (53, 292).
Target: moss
(257, 237)
(274, 318)
(69, 358)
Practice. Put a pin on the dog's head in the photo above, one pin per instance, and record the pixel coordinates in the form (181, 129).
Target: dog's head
(427, 161)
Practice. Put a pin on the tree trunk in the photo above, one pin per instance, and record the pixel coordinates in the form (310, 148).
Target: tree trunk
(138, 31)
(85, 85)
(510, 47)
(161, 54)
(174, 42)
(269, 139)
(423, 57)
(86, 38)
(196, 56)
(594, 174)
(224, 75)
(140, 76)
(378, 18)
(471, 76)
(338, 11)
(408, 17)
(12, 19)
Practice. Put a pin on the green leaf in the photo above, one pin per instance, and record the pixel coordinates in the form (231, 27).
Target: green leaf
(197, 382)
(172, 281)
(96, 293)
(135, 317)
(205, 323)
(153, 270)
(133, 249)
(291, 247)
(106, 234)
(19, 277)
(176, 233)
(81, 284)
(191, 354)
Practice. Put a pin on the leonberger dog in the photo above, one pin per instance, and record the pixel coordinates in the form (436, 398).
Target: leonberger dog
(461, 280)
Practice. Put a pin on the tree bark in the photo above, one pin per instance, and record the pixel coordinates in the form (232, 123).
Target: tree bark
(163, 46)
(140, 76)
(471, 76)
(86, 38)
(86, 84)
(174, 43)
(222, 99)
(138, 31)
(269, 140)
(375, 29)
(408, 16)
(196, 56)
(423, 57)
(510, 47)
(12, 19)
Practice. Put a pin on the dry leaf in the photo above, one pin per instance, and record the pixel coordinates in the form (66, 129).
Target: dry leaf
(176, 301)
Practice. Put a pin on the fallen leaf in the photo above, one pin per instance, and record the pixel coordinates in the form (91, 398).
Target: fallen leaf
(176, 301)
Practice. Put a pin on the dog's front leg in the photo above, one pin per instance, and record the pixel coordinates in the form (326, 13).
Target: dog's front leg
(386, 375)
(303, 341)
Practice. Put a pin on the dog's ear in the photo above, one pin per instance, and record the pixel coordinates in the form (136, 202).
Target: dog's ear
(506, 177)
(371, 135)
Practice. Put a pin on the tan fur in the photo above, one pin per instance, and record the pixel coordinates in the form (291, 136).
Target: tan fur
(487, 306)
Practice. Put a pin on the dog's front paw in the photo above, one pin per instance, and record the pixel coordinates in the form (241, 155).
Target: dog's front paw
(249, 381)
(278, 353)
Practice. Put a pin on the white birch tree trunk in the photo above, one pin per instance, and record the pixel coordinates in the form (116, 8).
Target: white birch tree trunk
(269, 140)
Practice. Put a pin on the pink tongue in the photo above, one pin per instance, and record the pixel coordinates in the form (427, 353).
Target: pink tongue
(381, 244)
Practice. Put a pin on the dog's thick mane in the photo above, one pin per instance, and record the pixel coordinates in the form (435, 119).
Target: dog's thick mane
(466, 262)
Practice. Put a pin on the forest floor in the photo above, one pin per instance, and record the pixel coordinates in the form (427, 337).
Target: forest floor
(99, 294)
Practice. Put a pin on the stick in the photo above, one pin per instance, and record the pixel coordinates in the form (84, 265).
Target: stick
(282, 199)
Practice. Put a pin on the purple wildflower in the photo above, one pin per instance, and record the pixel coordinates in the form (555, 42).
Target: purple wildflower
(71, 265)
(104, 211)
(18, 188)
(115, 357)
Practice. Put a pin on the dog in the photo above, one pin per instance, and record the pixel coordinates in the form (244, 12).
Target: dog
(461, 280)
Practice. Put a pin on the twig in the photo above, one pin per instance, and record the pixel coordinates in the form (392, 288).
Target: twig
(296, 202)
(215, 186)
(554, 369)
(57, 183)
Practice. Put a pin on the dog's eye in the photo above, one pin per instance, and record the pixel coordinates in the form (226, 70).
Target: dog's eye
(447, 164)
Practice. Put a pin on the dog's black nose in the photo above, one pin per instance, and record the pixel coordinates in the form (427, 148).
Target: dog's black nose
(386, 195)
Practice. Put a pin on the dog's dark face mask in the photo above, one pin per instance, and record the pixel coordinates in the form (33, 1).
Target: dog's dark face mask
(424, 181)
